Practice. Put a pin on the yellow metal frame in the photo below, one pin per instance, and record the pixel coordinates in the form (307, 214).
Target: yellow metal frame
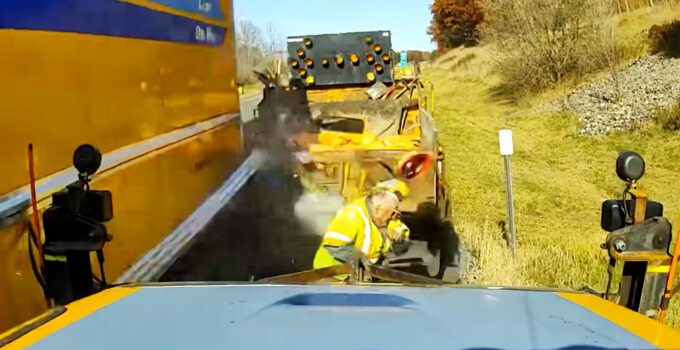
(342, 149)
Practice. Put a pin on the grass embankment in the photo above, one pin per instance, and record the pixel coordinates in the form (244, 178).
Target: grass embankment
(250, 90)
(632, 26)
(560, 180)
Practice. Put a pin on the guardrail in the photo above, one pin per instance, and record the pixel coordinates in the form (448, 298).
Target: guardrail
(159, 259)
(13, 204)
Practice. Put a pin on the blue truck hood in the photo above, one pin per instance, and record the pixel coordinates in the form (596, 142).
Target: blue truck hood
(342, 317)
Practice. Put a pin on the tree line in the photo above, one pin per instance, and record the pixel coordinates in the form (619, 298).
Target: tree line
(256, 49)
(460, 22)
(538, 43)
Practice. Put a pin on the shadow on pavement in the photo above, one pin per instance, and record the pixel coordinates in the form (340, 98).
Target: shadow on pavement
(255, 236)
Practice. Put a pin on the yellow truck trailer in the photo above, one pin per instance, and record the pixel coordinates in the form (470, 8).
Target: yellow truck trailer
(151, 83)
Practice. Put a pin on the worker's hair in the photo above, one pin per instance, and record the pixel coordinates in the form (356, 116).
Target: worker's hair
(381, 197)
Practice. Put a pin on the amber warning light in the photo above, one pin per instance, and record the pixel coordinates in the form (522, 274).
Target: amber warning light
(354, 58)
(414, 164)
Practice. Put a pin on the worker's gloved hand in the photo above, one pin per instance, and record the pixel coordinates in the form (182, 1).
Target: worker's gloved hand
(397, 231)
(362, 259)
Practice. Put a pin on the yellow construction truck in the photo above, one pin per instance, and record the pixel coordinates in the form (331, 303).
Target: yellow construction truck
(370, 124)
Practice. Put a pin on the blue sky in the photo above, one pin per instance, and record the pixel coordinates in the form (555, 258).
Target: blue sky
(407, 19)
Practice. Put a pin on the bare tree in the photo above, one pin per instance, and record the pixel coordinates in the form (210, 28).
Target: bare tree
(249, 50)
(248, 35)
(618, 6)
(274, 46)
(609, 53)
(542, 41)
(273, 39)
(249, 38)
(258, 50)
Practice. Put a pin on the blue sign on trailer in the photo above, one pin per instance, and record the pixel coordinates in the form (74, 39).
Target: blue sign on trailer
(403, 56)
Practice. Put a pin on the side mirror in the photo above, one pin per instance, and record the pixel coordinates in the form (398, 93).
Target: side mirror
(630, 166)
(614, 218)
(87, 159)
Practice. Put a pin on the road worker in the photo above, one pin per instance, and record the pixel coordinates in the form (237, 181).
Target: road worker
(369, 225)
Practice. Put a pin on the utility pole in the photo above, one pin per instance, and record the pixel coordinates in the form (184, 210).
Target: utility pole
(507, 149)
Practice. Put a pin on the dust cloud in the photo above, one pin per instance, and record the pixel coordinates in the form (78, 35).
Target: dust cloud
(271, 227)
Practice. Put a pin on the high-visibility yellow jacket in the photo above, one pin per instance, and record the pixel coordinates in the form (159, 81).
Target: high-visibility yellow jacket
(352, 226)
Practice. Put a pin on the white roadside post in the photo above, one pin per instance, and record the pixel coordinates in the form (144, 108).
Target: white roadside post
(507, 149)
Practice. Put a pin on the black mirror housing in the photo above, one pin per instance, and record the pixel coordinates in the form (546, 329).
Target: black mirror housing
(87, 159)
(614, 218)
(630, 166)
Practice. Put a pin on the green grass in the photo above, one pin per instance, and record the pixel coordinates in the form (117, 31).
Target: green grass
(560, 177)
(560, 180)
(252, 89)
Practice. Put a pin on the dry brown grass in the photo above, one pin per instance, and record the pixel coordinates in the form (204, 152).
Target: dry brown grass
(560, 180)
(669, 118)
(633, 27)
(543, 42)
(252, 89)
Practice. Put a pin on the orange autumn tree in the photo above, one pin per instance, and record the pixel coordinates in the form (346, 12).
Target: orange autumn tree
(455, 23)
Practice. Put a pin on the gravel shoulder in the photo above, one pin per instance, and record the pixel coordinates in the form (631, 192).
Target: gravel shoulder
(645, 86)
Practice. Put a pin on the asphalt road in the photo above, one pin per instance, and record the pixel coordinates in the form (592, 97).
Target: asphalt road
(248, 106)
(254, 236)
